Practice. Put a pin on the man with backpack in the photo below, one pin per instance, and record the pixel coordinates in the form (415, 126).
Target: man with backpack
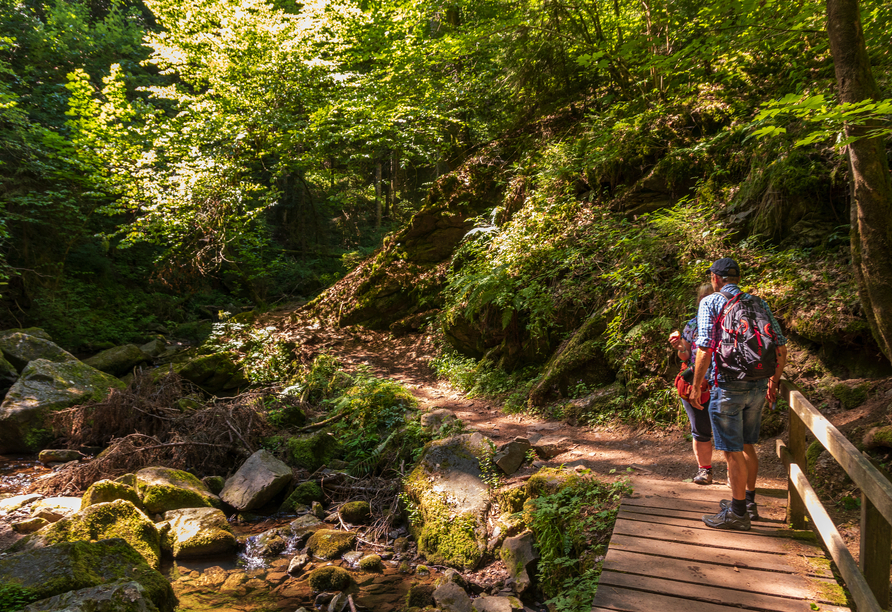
(739, 334)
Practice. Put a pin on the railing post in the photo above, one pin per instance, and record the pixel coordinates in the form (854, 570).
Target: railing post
(796, 444)
(876, 540)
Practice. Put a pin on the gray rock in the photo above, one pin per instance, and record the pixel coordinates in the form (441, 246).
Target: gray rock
(110, 597)
(435, 419)
(496, 604)
(448, 482)
(21, 349)
(213, 373)
(511, 455)
(154, 348)
(118, 360)
(520, 555)
(53, 509)
(37, 332)
(317, 510)
(58, 455)
(71, 566)
(338, 603)
(450, 597)
(17, 501)
(198, 532)
(30, 525)
(46, 386)
(552, 446)
(269, 543)
(259, 479)
(298, 563)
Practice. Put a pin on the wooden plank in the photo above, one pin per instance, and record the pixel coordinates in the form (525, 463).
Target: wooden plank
(684, 570)
(795, 505)
(876, 539)
(719, 556)
(696, 522)
(719, 538)
(867, 477)
(855, 582)
(628, 600)
(735, 593)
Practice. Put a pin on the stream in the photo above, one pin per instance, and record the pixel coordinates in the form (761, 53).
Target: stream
(246, 582)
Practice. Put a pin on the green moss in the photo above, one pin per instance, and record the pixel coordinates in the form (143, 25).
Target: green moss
(371, 563)
(13, 597)
(163, 489)
(107, 491)
(829, 591)
(329, 578)
(117, 519)
(883, 437)
(811, 456)
(313, 451)
(356, 512)
(511, 499)
(214, 483)
(330, 543)
(850, 396)
(420, 596)
(548, 481)
(447, 539)
(305, 493)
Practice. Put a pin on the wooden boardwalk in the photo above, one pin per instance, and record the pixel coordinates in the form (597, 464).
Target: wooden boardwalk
(663, 558)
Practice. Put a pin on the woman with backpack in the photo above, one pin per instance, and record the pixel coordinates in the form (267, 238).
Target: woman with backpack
(701, 428)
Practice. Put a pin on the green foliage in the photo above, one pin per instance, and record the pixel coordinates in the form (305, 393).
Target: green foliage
(14, 597)
(265, 358)
(572, 528)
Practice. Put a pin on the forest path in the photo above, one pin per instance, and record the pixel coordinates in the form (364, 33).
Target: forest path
(659, 452)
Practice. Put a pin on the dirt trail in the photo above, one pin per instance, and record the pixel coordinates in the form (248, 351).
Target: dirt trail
(660, 453)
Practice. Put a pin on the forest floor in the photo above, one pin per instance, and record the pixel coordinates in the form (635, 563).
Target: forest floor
(660, 452)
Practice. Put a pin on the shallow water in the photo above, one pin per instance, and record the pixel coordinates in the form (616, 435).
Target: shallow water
(17, 472)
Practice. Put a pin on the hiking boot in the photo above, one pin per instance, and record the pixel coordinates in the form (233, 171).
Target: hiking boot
(726, 519)
(703, 477)
(752, 509)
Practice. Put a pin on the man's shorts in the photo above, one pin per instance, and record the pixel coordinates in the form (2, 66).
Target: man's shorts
(735, 409)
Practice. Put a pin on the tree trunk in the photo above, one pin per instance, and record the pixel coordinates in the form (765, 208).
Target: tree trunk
(871, 214)
(378, 195)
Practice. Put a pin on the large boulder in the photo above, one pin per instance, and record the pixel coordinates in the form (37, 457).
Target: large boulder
(214, 373)
(117, 519)
(44, 387)
(118, 360)
(520, 555)
(452, 500)
(103, 491)
(259, 479)
(37, 332)
(162, 489)
(198, 532)
(330, 544)
(8, 375)
(21, 349)
(450, 597)
(43, 573)
(118, 596)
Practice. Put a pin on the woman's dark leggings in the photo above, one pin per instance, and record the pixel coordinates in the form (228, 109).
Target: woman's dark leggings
(701, 427)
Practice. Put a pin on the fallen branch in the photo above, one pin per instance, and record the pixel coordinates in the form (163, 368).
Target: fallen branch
(336, 417)
(350, 601)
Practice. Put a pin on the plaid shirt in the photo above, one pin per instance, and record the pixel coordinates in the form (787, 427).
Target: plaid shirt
(709, 336)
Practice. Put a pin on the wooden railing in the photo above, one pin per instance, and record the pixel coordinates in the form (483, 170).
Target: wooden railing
(869, 584)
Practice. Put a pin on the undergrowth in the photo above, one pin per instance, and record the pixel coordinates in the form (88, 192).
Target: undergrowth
(572, 529)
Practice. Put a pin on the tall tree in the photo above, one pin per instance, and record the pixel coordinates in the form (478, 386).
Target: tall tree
(871, 211)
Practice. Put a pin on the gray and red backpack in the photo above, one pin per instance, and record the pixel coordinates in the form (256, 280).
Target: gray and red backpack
(747, 342)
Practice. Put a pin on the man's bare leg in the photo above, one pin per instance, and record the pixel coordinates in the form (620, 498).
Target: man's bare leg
(703, 452)
(752, 467)
(738, 473)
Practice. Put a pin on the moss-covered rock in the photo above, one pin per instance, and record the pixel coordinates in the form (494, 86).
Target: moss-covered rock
(420, 596)
(452, 500)
(330, 544)
(850, 396)
(119, 360)
(161, 489)
(371, 564)
(329, 578)
(304, 494)
(198, 532)
(549, 481)
(511, 498)
(878, 437)
(48, 571)
(214, 483)
(103, 491)
(117, 596)
(312, 451)
(580, 358)
(117, 519)
(44, 387)
(20, 349)
(356, 512)
(8, 375)
(214, 373)
(37, 332)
